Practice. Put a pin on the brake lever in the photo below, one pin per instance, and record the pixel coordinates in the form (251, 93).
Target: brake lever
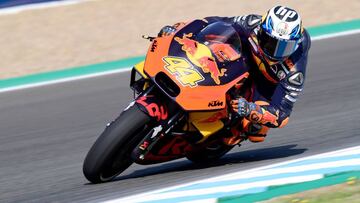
(148, 37)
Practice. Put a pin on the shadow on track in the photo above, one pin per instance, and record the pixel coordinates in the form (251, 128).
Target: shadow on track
(233, 158)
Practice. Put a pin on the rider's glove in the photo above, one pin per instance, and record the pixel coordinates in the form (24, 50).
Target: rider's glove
(166, 31)
(243, 107)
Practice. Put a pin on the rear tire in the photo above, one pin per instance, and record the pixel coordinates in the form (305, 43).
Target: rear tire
(111, 153)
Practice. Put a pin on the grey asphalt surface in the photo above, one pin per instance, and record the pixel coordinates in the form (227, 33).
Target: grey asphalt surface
(47, 131)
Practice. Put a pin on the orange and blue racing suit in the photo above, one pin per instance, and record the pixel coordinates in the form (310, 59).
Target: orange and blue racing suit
(273, 87)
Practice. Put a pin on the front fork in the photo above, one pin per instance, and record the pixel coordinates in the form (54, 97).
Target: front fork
(153, 137)
(165, 115)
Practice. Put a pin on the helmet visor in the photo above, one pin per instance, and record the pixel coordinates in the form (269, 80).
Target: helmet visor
(274, 47)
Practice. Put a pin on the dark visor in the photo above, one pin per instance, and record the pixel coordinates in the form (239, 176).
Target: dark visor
(274, 47)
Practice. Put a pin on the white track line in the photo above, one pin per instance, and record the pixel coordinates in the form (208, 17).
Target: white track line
(338, 34)
(92, 75)
(227, 188)
(245, 172)
(69, 79)
(21, 8)
(213, 200)
(289, 169)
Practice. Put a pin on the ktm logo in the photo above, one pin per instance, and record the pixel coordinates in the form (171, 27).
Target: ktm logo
(153, 46)
(215, 103)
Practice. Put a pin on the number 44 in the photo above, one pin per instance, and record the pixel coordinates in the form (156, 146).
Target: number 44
(184, 71)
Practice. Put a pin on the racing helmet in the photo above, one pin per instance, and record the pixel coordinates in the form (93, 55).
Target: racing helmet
(280, 32)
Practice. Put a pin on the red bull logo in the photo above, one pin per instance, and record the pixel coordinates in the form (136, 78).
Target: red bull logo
(215, 117)
(208, 65)
(201, 56)
(189, 46)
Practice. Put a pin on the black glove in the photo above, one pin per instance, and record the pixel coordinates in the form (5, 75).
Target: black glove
(243, 107)
(166, 31)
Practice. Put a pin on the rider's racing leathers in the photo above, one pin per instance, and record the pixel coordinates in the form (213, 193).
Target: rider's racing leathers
(273, 86)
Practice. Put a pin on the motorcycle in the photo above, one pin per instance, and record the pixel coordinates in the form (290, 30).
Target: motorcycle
(181, 106)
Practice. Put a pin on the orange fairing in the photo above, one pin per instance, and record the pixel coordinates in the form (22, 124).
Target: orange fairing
(193, 69)
(202, 96)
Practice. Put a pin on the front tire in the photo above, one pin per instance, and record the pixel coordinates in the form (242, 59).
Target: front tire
(111, 153)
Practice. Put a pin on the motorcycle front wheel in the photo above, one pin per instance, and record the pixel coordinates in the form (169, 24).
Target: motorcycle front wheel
(111, 153)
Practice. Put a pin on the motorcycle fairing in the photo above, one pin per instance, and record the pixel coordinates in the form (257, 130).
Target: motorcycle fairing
(207, 123)
(199, 92)
(139, 67)
(166, 149)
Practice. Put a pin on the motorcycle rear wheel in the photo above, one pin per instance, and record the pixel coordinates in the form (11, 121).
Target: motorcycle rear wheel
(111, 153)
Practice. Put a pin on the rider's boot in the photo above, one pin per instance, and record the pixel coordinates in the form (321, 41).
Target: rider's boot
(233, 138)
(254, 131)
(234, 135)
(246, 130)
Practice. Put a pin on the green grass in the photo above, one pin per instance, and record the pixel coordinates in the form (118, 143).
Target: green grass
(346, 192)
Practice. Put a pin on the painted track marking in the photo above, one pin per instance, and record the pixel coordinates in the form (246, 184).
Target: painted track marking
(34, 6)
(168, 194)
(63, 80)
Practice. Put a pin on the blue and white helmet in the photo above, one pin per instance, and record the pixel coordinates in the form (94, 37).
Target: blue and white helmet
(280, 32)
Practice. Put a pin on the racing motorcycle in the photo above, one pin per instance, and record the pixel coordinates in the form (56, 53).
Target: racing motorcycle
(181, 105)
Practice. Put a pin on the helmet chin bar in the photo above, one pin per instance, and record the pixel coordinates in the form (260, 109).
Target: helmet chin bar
(269, 59)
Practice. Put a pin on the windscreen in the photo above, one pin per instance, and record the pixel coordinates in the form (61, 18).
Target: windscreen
(220, 32)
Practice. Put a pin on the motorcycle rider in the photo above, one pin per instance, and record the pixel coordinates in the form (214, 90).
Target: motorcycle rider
(276, 46)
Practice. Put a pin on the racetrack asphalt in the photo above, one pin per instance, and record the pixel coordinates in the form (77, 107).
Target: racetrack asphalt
(47, 131)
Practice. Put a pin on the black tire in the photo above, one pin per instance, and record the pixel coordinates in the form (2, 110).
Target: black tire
(207, 154)
(111, 153)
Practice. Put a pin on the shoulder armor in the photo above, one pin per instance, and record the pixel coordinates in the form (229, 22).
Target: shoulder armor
(247, 21)
(253, 20)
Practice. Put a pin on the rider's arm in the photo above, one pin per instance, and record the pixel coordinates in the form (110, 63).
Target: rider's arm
(237, 21)
(213, 19)
(277, 113)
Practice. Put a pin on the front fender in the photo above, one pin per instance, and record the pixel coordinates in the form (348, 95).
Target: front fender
(153, 107)
(157, 105)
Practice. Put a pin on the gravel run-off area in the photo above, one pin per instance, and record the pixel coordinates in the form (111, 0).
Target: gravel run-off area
(98, 31)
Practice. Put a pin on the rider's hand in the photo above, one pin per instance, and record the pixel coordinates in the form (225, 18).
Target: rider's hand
(242, 107)
(166, 31)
